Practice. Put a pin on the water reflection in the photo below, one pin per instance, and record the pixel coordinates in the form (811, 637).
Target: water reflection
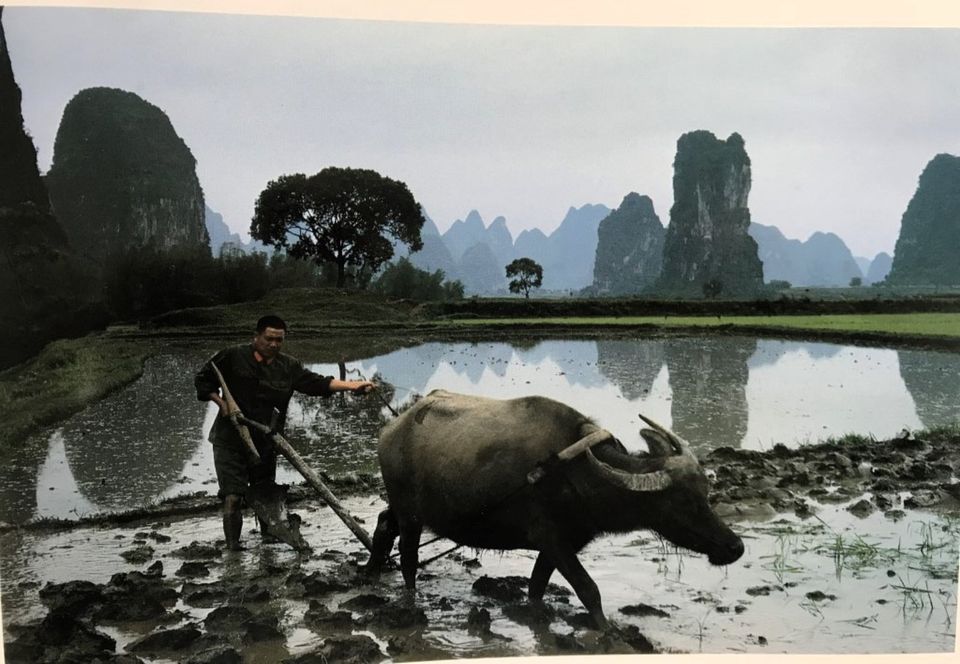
(708, 378)
(933, 380)
(148, 441)
(131, 446)
(631, 366)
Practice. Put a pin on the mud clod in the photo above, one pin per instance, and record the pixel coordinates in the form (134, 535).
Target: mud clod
(862, 508)
(503, 589)
(71, 598)
(364, 602)
(203, 595)
(530, 614)
(354, 649)
(197, 551)
(397, 615)
(227, 618)
(166, 640)
(478, 620)
(219, 655)
(643, 610)
(141, 554)
(321, 619)
(568, 643)
(193, 570)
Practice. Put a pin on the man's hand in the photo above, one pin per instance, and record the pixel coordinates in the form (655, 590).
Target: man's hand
(355, 386)
(363, 387)
(216, 398)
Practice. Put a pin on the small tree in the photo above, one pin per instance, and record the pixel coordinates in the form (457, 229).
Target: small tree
(528, 274)
(856, 282)
(339, 215)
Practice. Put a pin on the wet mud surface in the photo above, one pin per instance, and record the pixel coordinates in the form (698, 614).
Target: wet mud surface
(851, 547)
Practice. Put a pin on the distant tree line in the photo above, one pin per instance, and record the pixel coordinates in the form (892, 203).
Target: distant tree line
(144, 282)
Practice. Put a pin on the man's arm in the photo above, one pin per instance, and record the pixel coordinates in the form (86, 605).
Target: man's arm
(314, 384)
(358, 386)
(207, 384)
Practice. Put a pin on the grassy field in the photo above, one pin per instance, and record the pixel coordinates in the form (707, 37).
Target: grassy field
(915, 324)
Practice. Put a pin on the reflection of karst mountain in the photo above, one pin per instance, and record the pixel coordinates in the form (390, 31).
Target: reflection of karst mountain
(821, 351)
(130, 447)
(933, 380)
(410, 369)
(576, 359)
(708, 377)
(769, 351)
(632, 365)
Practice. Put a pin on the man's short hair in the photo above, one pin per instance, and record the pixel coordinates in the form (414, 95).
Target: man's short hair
(271, 321)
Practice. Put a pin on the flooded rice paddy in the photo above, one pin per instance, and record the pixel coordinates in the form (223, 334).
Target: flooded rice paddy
(818, 581)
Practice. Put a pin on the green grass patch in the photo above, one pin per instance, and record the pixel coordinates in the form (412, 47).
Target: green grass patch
(66, 376)
(922, 324)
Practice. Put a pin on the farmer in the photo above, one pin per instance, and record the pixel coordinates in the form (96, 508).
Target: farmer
(260, 378)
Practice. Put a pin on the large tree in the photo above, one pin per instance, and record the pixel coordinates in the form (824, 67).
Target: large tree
(344, 216)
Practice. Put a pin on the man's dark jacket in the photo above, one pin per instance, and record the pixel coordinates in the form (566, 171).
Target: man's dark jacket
(257, 386)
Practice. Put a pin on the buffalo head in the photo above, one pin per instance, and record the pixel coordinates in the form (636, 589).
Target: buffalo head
(666, 491)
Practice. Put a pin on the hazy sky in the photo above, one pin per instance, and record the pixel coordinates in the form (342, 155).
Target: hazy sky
(517, 121)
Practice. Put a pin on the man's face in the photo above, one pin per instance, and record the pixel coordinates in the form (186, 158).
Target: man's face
(268, 342)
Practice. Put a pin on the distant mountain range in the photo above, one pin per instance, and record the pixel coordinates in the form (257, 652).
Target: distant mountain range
(477, 254)
(221, 236)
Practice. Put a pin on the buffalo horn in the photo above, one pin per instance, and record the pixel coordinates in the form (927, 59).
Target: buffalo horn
(657, 480)
(679, 444)
(658, 444)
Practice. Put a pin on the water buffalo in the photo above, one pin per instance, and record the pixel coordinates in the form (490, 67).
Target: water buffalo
(459, 466)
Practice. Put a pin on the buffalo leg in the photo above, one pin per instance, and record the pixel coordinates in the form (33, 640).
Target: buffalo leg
(409, 554)
(383, 538)
(542, 569)
(569, 566)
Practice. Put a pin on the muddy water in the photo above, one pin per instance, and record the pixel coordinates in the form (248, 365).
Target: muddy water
(892, 588)
(831, 583)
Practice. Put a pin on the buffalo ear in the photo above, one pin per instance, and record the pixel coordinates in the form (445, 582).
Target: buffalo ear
(658, 443)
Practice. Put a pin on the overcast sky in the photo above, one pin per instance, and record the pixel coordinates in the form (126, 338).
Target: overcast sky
(522, 122)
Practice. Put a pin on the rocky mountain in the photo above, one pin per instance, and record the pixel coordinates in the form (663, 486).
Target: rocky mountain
(566, 255)
(879, 268)
(44, 293)
(707, 240)
(480, 271)
(434, 255)
(929, 243)
(823, 260)
(221, 237)
(629, 248)
(572, 248)
(122, 177)
(464, 233)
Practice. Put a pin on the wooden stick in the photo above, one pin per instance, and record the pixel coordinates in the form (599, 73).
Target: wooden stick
(234, 413)
(313, 479)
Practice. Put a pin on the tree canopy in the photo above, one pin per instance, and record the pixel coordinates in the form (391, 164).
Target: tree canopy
(343, 216)
(527, 274)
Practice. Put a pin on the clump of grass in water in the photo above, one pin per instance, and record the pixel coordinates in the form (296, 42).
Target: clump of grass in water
(787, 544)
